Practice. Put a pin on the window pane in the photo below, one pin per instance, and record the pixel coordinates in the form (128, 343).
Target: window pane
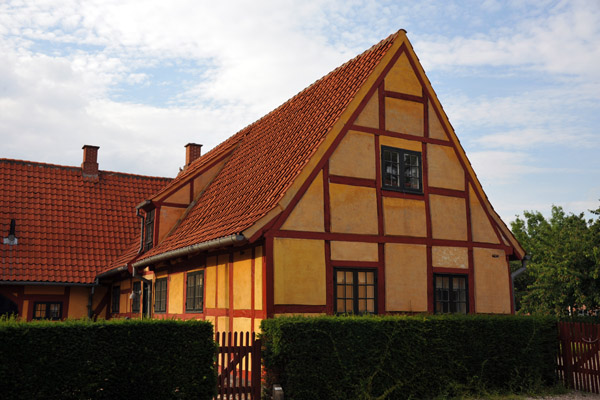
(362, 306)
(340, 291)
(349, 277)
(362, 292)
(340, 306)
(340, 276)
(349, 292)
(371, 306)
(362, 277)
(370, 292)
(40, 310)
(349, 306)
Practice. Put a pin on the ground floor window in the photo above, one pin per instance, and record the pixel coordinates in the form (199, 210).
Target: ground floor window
(115, 299)
(47, 310)
(355, 291)
(451, 294)
(160, 295)
(195, 291)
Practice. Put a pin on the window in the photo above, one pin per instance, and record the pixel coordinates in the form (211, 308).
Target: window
(115, 299)
(149, 230)
(401, 170)
(451, 294)
(135, 299)
(355, 291)
(47, 310)
(195, 291)
(160, 295)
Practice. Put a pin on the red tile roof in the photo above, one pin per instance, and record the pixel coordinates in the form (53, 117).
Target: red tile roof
(68, 228)
(269, 154)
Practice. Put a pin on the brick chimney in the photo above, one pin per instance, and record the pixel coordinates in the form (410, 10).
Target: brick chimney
(89, 166)
(193, 151)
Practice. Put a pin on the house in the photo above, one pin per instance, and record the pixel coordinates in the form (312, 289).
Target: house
(354, 196)
(59, 227)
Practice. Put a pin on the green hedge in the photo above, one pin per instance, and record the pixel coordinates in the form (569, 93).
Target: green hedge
(408, 357)
(135, 359)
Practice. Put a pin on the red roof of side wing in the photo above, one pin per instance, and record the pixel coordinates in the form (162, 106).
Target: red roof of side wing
(68, 228)
(268, 155)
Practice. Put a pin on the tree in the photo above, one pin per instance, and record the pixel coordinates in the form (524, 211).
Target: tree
(564, 270)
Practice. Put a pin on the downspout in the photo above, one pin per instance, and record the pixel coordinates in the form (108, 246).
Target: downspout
(149, 297)
(518, 272)
(91, 298)
(134, 269)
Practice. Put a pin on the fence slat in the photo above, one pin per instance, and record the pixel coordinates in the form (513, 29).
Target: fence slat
(578, 361)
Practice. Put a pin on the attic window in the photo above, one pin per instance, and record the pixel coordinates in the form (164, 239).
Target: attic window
(401, 170)
(149, 230)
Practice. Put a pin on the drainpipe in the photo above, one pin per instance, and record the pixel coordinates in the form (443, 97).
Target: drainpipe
(149, 297)
(91, 298)
(518, 272)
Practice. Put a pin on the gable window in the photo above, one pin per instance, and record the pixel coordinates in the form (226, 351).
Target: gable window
(195, 291)
(149, 230)
(135, 299)
(115, 299)
(401, 170)
(355, 291)
(451, 294)
(47, 310)
(160, 295)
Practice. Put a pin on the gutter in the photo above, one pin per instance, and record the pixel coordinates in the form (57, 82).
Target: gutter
(518, 272)
(231, 240)
(113, 271)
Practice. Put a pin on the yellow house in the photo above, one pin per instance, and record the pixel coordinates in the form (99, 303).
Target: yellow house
(354, 196)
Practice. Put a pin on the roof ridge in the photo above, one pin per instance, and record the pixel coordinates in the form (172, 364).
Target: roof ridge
(77, 169)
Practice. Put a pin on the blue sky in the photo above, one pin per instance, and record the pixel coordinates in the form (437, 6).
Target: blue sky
(519, 80)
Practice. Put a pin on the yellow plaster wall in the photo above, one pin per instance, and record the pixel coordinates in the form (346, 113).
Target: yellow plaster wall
(168, 217)
(223, 324)
(353, 209)
(211, 319)
(78, 301)
(26, 309)
(354, 251)
(204, 179)
(354, 156)
(181, 196)
(444, 168)
(257, 325)
(55, 290)
(258, 278)
(448, 217)
(299, 271)
(99, 294)
(400, 143)
(480, 224)
(401, 78)
(308, 214)
(404, 217)
(241, 324)
(405, 277)
(369, 116)
(404, 116)
(436, 130)
(210, 282)
(492, 286)
(223, 281)
(450, 257)
(176, 283)
(242, 280)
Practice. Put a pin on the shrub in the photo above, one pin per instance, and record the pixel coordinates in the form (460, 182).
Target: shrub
(408, 357)
(107, 360)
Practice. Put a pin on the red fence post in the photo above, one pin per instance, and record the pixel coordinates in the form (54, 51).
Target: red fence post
(565, 337)
(256, 368)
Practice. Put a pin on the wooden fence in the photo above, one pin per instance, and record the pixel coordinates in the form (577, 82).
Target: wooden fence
(578, 360)
(238, 366)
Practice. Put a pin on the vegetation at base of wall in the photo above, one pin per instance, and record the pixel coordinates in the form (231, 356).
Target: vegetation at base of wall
(402, 357)
(146, 359)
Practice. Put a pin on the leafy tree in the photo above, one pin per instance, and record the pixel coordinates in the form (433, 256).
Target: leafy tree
(564, 269)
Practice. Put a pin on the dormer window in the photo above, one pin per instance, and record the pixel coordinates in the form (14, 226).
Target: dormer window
(149, 230)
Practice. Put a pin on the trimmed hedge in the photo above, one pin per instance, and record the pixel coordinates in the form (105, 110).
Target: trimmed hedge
(121, 359)
(408, 357)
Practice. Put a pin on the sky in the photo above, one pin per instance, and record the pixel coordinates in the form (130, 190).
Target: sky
(519, 80)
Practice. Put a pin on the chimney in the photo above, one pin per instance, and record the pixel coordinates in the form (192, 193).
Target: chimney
(89, 166)
(192, 152)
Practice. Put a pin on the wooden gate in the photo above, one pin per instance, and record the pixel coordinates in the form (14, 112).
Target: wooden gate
(578, 360)
(238, 365)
